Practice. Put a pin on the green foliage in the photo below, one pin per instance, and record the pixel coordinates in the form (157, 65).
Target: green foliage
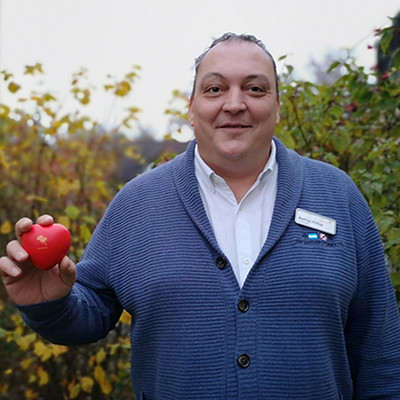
(353, 124)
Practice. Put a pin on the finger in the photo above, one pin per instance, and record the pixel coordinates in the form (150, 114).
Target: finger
(22, 226)
(67, 271)
(16, 252)
(8, 268)
(45, 220)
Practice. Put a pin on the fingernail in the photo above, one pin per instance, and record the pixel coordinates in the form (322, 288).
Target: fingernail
(14, 272)
(20, 256)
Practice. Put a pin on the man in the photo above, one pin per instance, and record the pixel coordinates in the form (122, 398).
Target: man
(250, 272)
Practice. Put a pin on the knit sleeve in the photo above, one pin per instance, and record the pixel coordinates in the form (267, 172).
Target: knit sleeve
(373, 326)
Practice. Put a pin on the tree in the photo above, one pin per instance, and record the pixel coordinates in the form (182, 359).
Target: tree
(64, 165)
(353, 124)
(388, 53)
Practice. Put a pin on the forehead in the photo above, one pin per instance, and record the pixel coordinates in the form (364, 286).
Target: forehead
(236, 57)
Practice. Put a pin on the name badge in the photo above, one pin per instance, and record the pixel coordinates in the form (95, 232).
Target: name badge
(315, 221)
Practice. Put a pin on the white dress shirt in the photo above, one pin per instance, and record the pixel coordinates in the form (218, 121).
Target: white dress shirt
(240, 229)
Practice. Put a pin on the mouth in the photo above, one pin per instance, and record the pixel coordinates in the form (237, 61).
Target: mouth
(234, 126)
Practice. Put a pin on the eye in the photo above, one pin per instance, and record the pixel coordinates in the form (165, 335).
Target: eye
(256, 89)
(213, 89)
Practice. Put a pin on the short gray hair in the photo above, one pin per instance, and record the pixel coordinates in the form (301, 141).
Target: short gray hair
(233, 37)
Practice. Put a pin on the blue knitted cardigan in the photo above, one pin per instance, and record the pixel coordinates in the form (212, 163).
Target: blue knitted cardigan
(315, 319)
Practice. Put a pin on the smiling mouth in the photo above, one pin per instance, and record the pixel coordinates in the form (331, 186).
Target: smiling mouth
(234, 126)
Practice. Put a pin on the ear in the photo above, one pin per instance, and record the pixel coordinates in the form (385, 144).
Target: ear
(190, 112)
(278, 118)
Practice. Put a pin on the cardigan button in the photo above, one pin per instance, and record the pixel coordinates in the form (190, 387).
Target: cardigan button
(243, 361)
(221, 262)
(243, 305)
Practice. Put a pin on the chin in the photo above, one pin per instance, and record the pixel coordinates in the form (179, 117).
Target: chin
(234, 155)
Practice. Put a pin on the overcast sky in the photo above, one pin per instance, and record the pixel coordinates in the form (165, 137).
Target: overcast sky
(164, 37)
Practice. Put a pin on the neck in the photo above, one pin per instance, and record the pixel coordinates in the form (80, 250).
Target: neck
(238, 178)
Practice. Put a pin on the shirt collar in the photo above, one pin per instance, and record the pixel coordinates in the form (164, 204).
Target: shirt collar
(208, 176)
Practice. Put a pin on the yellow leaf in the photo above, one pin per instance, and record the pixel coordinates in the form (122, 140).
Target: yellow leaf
(92, 361)
(42, 351)
(125, 318)
(85, 99)
(100, 356)
(57, 350)
(6, 228)
(51, 114)
(74, 390)
(106, 387)
(6, 75)
(85, 233)
(13, 87)
(122, 88)
(87, 384)
(64, 220)
(30, 394)
(4, 388)
(113, 348)
(48, 97)
(99, 373)
(100, 376)
(25, 364)
(25, 341)
(63, 187)
(4, 158)
(102, 187)
(43, 376)
(38, 199)
(30, 69)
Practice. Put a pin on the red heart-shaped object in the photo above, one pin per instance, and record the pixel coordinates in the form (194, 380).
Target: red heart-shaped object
(46, 245)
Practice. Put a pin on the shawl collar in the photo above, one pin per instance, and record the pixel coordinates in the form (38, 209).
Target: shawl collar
(290, 182)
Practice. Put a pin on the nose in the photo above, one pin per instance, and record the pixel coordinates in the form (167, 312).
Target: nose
(234, 101)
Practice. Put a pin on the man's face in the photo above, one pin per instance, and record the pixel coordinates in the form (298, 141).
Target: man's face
(235, 107)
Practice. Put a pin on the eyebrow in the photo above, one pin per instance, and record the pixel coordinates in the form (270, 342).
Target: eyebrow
(251, 77)
(210, 75)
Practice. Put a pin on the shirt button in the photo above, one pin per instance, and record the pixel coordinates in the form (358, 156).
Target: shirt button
(246, 261)
(243, 305)
(221, 262)
(243, 361)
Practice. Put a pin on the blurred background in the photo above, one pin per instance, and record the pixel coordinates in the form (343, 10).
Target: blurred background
(108, 37)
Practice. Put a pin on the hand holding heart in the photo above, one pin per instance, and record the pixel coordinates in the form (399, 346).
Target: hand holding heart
(44, 245)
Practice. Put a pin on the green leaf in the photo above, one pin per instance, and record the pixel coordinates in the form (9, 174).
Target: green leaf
(290, 69)
(396, 58)
(72, 212)
(395, 277)
(85, 233)
(334, 65)
(391, 243)
(386, 39)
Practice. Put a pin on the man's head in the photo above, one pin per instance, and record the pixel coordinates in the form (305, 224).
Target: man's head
(231, 37)
(235, 105)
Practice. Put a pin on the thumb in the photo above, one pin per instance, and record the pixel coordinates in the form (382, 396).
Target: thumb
(67, 271)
